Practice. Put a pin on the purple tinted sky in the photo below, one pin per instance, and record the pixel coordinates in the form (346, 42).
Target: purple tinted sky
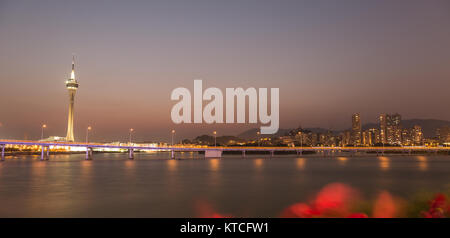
(329, 59)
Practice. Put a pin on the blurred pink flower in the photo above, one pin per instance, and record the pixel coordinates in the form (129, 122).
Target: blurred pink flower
(438, 207)
(334, 200)
(385, 206)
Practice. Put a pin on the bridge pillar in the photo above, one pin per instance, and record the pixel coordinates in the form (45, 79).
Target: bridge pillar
(243, 153)
(88, 153)
(131, 154)
(3, 153)
(47, 156)
(272, 153)
(42, 152)
(172, 154)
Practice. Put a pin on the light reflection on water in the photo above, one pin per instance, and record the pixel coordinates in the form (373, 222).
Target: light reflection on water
(214, 164)
(342, 160)
(301, 163)
(423, 163)
(153, 186)
(258, 163)
(384, 163)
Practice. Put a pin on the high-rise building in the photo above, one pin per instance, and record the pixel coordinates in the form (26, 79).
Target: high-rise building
(443, 134)
(417, 135)
(407, 137)
(346, 138)
(383, 136)
(367, 138)
(356, 129)
(72, 86)
(375, 135)
(390, 129)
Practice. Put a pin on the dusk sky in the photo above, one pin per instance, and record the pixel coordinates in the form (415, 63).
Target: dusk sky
(328, 58)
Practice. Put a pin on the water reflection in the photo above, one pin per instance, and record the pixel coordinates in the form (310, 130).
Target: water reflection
(130, 168)
(86, 167)
(214, 164)
(258, 164)
(172, 165)
(111, 185)
(301, 163)
(384, 163)
(423, 163)
(214, 175)
(342, 160)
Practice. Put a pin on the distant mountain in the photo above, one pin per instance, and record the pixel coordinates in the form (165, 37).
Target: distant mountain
(207, 139)
(429, 126)
(251, 134)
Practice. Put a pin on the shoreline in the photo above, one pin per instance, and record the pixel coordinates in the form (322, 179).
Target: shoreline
(248, 153)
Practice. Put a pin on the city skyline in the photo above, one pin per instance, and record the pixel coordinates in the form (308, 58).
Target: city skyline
(329, 62)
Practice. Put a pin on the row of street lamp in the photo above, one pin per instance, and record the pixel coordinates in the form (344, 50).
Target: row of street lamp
(89, 128)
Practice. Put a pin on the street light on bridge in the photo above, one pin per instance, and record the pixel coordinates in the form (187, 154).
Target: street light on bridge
(173, 133)
(215, 138)
(131, 131)
(42, 131)
(87, 133)
(257, 137)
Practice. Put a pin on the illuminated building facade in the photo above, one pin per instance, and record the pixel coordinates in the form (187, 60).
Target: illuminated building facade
(417, 135)
(443, 135)
(366, 138)
(383, 136)
(356, 129)
(393, 129)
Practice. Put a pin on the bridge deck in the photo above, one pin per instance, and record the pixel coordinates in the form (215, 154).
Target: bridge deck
(222, 148)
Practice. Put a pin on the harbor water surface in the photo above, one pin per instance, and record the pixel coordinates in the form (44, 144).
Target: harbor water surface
(153, 185)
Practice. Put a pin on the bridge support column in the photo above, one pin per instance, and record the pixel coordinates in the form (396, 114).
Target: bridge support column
(3, 152)
(47, 156)
(131, 154)
(42, 152)
(172, 154)
(243, 153)
(88, 153)
(272, 153)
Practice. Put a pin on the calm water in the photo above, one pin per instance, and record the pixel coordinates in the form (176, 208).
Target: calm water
(153, 186)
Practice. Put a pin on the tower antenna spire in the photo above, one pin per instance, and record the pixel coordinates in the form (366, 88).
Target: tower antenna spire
(73, 62)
